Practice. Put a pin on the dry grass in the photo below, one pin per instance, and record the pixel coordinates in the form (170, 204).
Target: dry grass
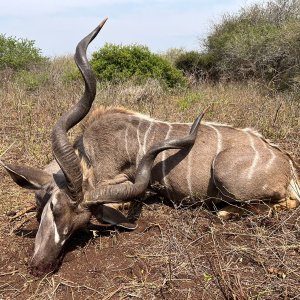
(179, 254)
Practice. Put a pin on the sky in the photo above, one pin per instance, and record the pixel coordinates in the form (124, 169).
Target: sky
(56, 26)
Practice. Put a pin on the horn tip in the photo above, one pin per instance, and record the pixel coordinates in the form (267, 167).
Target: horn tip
(103, 21)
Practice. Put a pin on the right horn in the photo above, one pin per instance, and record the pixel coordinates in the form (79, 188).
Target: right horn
(125, 192)
(62, 149)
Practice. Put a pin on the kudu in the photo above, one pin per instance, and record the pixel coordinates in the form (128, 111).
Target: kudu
(67, 189)
(112, 162)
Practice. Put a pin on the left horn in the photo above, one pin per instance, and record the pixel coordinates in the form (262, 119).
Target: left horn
(123, 193)
(61, 147)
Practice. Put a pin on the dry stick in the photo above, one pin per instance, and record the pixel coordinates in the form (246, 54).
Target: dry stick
(20, 224)
(1, 154)
(40, 283)
(10, 289)
(71, 285)
(23, 212)
(147, 255)
(223, 289)
(190, 261)
(277, 226)
(118, 270)
(131, 296)
(170, 268)
(9, 273)
(57, 286)
(154, 225)
(197, 239)
(276, 113)
(112, 293)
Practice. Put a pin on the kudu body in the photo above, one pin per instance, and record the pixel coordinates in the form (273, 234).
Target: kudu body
(112, 162)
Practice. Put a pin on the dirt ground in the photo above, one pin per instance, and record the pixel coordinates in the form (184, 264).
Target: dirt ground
(186, 253)
(173, 254)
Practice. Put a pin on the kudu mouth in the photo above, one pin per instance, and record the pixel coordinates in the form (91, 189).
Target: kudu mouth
(40, 268)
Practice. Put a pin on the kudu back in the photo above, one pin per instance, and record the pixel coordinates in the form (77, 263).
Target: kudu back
(122, 153)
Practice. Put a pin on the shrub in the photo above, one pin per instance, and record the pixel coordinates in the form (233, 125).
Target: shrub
(261, 42)
(189, 99)
(172, 54)
(31, 80)
(199, 65)
(18, 54)
(119, 63)
(66, 69)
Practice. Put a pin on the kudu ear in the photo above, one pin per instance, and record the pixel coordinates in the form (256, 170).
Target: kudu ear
(27, 177)
(109, 215)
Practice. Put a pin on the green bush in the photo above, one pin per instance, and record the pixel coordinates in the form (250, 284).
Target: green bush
(189, 99)
(261, 42)
(172, 54)
(31, 80)
(68, 67)
(119, 63)
(199, 65)
(18, 54)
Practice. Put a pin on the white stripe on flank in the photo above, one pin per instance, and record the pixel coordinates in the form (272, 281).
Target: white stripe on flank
(269, 147)
(271, 160)
(146, 136)
(219, 137)
(256, 156)
(126, 143)
(139, 142)
(165, 180)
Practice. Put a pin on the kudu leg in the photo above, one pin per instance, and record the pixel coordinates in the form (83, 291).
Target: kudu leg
(120, 178)
(134, 208)
(237, 210)
(242, 175)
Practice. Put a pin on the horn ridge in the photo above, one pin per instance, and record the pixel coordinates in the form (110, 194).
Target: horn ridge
(62, 149)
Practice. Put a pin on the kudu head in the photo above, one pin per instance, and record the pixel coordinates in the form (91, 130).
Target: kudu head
(59, 188)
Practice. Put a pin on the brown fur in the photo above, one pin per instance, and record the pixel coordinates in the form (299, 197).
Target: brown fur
(102, 132)
(101, 110)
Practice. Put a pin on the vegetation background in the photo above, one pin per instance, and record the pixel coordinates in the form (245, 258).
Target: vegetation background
(248, 70)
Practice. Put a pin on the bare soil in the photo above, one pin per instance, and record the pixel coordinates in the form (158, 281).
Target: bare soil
(173, 254)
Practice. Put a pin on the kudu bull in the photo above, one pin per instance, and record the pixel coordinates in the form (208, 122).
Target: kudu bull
(112, 162)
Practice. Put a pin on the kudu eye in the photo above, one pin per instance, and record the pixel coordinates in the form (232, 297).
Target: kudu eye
(66, 231)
